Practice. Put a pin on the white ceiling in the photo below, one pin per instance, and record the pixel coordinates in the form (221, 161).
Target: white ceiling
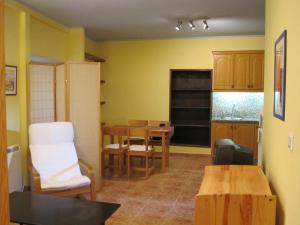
(147, 19)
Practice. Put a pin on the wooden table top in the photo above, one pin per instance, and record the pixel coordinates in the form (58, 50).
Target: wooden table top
(234, 179)
(152, 128)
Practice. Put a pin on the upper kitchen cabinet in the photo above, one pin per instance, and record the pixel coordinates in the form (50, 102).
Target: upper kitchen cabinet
(223, 67)
(238, 70)
(257, 71)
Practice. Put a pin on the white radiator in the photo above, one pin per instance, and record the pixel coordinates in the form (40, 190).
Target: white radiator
(14, 162)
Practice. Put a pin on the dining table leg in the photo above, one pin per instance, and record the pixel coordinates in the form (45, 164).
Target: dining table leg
(164, 152)
(167, 150)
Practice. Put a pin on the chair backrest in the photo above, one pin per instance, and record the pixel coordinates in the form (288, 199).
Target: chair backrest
(157, 123)
(114, 132)
(138, 122)
(138, 132)
(52, 149)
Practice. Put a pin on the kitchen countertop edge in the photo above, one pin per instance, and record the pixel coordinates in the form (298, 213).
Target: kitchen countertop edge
(235, 121)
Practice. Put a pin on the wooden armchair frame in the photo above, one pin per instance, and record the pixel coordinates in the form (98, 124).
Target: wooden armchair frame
(85, 168)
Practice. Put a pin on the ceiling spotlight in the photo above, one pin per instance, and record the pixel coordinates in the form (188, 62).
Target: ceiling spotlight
(205, 25)
(179, 25)
(192, 25)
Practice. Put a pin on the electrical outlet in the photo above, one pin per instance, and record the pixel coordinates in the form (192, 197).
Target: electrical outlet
(291, 141)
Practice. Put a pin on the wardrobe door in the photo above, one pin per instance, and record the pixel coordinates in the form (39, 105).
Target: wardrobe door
(83, 111)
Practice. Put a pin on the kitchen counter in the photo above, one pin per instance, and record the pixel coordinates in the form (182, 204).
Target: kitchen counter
(238, 120)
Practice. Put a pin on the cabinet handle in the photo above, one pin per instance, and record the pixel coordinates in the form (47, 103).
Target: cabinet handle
(232, 86)
(249, 86)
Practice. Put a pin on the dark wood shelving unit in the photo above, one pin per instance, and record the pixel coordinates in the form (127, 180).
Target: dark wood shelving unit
(190, 107)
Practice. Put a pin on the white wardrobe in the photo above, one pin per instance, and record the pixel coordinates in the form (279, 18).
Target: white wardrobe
(76, 98)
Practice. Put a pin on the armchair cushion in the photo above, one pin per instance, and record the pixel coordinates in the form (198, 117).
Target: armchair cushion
(115, 146)
(57, 185)
(139, 148)
(54, 156)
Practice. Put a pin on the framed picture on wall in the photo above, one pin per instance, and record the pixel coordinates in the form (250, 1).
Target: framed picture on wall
(11, 80)
(280, 76)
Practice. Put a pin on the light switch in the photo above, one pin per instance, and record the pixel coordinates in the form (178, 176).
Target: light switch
(291, 141)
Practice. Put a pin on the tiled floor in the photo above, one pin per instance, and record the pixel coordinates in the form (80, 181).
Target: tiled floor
(163, 199)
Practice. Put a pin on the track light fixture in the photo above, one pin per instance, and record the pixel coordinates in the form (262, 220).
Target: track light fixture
(192, 25)
(178, 26)
(205, 25)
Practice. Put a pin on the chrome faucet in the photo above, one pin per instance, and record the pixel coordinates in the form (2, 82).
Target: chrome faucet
(232, 111)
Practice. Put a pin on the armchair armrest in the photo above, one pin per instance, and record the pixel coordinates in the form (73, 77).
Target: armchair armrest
(35, 177)
(89, 172)
(86, 169)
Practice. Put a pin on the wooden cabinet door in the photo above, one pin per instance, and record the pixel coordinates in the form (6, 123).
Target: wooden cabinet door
(257, 71)
(255, 143)
(241, 71)
(223, 72)
(244, 134)
(220, 130)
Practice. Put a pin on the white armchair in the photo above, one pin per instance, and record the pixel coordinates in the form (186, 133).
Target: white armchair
(54, 165)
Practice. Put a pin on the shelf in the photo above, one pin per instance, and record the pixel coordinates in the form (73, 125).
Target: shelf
(191, 125)
(190, 107)
(202, 90)
(189, 144)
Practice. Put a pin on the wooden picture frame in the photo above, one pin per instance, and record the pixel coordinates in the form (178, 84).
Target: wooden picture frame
(11, 80)
(280, 76)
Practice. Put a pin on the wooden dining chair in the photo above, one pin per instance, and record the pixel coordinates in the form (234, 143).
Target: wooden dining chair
(115, 147)
(156, 141)
(137, 123)
(144, 151)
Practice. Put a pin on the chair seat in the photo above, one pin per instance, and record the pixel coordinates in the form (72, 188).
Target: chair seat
(139, 148)
(137, 138)
(115, 146)
(55, 184)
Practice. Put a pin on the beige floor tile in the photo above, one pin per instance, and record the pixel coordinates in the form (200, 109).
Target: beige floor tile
(165, 198)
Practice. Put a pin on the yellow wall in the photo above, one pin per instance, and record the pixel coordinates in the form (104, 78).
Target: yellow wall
(11, 58)
(76, 44)
(30, 33)
(137, 74)
(91, 46)
(283, 166)
(48, 41)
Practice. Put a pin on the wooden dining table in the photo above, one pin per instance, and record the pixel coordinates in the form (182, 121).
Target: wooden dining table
(165, 133)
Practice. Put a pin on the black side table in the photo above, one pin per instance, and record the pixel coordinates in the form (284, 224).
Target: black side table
(36, 209)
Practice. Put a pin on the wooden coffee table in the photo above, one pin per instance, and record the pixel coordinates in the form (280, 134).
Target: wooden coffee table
(36, 209)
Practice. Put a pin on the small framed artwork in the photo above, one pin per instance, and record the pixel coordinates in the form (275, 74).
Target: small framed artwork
(280, 76)
(11, 80)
